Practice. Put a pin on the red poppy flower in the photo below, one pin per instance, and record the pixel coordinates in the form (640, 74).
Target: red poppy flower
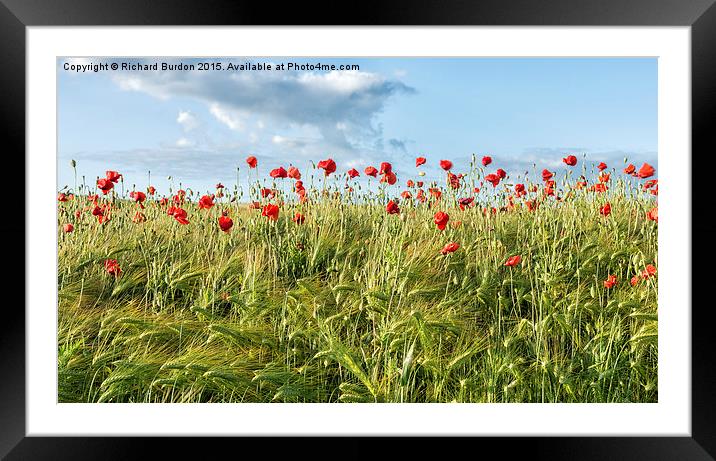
(206, 202)
(225, 223)
(486, 160)
(254, 205)
(352, 173)
(112, 267)
(151, 190)
(610, 281)
(328, 165)
(405, 194)
(546, 175)
(105, 185)
(138, 196)
(510, 204)
(520, 190)
(634, 280)
(410, 183)
(606, 209)
(570, 160)
(299, 218)
(139, 217)
(371, 171)
(646, 171)
(385, 168)
(493, 178)
(163, 201)
(68, 228)
(437, 193)
(649, 271)
(653, 214)
(450, 248)
(581, 184)
(512, 261)
(113, 176)
(650, 183)
(420, 184)
(604, 177)
(392, 208)
(180, 215)
(420, 161)
(629, 169)
(279, 172)
(421, 195)
(251, 160)
(445, 165)
(294, 173)
(270, 211)
(548, 190)
(602, 166)
(266, 192)
(97, 211)
(465, 202)
(441, 219)
(390, 178)
(601, 187)
(454, 180)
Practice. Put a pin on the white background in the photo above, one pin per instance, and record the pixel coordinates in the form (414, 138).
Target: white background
(671, 416)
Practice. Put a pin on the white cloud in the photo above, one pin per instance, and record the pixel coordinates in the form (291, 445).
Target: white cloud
(226, 116)
(136, 83)
(289, 142)
(355, 163)
(341, 82)
(187, 120)
(334, 103)
(184, 143)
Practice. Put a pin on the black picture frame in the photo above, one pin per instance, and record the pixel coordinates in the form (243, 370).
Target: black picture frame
(16, 15)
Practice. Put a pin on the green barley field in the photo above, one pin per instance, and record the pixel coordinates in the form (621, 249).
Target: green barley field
(330, 291)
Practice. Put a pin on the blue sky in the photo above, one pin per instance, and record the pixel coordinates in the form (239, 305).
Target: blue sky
(198, 126)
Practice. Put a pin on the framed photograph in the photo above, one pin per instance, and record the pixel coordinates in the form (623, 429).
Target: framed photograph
(443, 222)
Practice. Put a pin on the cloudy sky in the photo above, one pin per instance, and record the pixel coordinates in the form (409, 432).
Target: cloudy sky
(199, 126)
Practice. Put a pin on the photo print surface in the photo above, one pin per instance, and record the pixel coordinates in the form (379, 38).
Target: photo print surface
(347, 230)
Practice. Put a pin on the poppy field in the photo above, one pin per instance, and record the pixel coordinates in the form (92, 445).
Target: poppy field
(314, 284)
